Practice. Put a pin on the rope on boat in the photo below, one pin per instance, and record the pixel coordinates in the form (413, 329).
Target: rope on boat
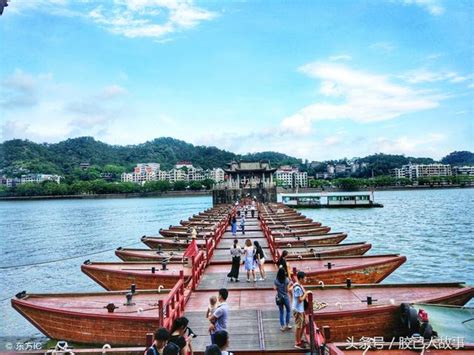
(63, 259)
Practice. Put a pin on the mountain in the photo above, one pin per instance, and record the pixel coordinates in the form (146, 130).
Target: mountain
(459, 158)
(20, 156)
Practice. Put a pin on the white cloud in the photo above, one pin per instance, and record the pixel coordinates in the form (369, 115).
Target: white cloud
(421, 145)
(434, 7)
(52, 111)
(340, 57)
(130, 18)
(20, 90)
(112, 91)
(384, 47)
(361, 96)
(150, 18)
(426, 76)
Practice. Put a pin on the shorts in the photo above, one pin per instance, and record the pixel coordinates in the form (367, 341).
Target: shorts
(261, 262)
(300, 319)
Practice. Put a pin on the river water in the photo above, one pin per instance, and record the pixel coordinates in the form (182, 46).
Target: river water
(433, 228)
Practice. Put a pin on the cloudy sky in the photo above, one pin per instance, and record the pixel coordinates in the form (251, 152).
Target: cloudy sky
(315, 79)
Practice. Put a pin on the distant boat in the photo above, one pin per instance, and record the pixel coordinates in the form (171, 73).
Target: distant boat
(330, 199)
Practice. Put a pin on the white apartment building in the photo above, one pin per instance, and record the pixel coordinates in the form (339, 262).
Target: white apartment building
(417, 171)
(39, 178)
(183, 164)
(177, 175)
(291, 177)
(217, 174)
(143, 168)
(138, 178)
(463, 170)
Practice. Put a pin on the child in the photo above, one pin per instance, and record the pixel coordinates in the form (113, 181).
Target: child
(212, 306)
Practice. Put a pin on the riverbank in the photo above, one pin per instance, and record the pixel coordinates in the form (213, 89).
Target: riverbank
(379, 188)
(110, 196)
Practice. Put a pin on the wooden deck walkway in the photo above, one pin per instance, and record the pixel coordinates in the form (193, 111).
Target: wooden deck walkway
(253, 316)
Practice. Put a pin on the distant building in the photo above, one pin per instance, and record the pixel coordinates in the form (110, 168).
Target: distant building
(9, 182)
(463, 170)
(144, 168)
(84, 166)
(323, 176)
(417, 171)
(291, 177)
(39, 178)
(330, 169)
(183, 164)
(217, 174)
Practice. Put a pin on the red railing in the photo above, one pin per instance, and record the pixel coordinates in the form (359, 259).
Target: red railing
(172, 306)
(198, 263)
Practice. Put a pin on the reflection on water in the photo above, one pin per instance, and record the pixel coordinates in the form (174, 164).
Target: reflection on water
(432, 228)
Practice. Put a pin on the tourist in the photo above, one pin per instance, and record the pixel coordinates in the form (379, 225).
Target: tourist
(212, 306)
(259, 259)
(193, 233)
(242, 224)
(282, 263)
(179, 337)
(233, 224)
(222, 343)
(249, 263)
(282, 299)
(252, 210)
(246, 210)
(299, 298)
(235, 252)
(160, 339)
(220, 316)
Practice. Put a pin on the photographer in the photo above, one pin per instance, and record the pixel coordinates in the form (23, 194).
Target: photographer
(181, 336)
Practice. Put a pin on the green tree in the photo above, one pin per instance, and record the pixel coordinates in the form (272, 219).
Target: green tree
(347, 184)
(180, 185)
(196, 185)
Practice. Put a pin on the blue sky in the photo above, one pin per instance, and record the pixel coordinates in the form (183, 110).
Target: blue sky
(314, 79)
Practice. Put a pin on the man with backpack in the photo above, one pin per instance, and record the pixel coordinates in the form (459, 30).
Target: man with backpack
(161, 346)
(299, 307)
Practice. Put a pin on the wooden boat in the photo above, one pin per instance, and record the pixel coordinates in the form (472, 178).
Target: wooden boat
(291, 226)
(85, 317)
(309, 241)
(129, 254)
(170, 243)
(360, 269)
(278, 233)
(115, 276)
(347, 312)
(171, 233)
(325, 250)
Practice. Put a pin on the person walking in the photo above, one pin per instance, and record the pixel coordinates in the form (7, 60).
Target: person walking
(235, 252)
(219, 319)
(282, 299)
(242, 224)
(299, 298)
(252, 211)
(259, 258)
(249, 262)
(233, 224)
(283, 263)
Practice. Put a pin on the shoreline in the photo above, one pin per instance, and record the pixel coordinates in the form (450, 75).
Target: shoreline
(109, 196)
(209, 193)
(380, 188)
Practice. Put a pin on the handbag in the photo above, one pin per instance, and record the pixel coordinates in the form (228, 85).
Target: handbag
(279, 300)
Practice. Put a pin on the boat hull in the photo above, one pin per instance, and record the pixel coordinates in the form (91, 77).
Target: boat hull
(116, 280)
(80, 328)
(377, 321)
(308, 241)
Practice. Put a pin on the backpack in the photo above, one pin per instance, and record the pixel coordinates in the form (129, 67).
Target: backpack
(305, 302)
(171, 349)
